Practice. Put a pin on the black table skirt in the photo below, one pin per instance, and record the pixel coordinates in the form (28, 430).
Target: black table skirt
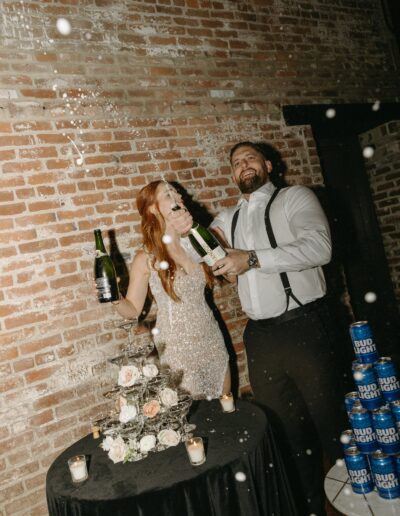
(166, 484)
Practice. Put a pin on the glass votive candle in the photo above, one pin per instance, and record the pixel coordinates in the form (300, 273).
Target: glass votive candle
(227, 402)
(77, 467)
(95, 428)
(195, 451)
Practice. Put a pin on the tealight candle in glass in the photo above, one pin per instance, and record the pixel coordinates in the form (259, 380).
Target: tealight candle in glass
(95, 428)
(78, 468)
(195, 451)
(227, 402)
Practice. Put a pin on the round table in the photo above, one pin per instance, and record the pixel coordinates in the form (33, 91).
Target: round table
(165, 483)
(340, 494)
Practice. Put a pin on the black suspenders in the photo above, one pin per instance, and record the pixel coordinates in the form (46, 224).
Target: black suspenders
(272, 241)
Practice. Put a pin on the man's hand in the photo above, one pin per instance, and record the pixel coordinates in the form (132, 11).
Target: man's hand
(180, 220)
(235, 263)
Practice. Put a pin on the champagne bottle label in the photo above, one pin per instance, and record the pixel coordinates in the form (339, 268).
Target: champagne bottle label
(212, 254)
(103, 289)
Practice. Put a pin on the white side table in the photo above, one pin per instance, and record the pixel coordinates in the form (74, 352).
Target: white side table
(339, 492)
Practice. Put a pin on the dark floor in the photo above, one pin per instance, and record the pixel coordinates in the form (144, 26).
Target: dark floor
(331, 511)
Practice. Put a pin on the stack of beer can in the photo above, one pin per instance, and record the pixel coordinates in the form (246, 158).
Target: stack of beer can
(372, 445)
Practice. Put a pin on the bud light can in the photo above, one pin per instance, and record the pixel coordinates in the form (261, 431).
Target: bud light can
(363, 430)
(367, 386)
(347, 439)
(363, 342)
(386, 433)
(351, 400)
(359, 472)
(385, 476)
(395, 406)
(388, 378)
(397, 462)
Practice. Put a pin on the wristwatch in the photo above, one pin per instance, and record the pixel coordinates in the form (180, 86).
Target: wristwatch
(252, 260)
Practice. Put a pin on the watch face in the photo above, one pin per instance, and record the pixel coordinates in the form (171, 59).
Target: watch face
(252, 261)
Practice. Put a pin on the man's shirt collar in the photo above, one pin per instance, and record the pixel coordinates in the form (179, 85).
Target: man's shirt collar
(266, 190)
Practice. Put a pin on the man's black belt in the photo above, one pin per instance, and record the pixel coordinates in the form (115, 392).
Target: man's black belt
(291, 314)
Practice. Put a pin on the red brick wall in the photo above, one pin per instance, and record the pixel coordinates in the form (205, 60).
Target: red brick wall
(383, 169)
(140, 87)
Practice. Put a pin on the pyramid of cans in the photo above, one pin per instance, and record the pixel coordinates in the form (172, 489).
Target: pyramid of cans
(372, 445)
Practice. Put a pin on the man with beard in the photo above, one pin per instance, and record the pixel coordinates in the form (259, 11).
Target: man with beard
(279, 239)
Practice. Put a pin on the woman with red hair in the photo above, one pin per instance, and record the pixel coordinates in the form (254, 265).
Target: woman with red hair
(188, 338)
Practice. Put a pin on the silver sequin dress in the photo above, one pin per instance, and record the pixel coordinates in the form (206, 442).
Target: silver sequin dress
(189, 339)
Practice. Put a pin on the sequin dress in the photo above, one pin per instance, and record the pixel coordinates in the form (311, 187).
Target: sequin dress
(189, 339)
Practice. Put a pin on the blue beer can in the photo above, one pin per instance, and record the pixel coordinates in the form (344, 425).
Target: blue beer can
(351, 400)
(359, 471)
(347, 439)
(388, 378)
(397, 462)
(363, 342)
(363, 430)
(367, 386)
(395, 406)
(386, 434)
(385, 475)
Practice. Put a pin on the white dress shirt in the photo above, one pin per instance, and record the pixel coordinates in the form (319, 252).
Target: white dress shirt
(302, 233)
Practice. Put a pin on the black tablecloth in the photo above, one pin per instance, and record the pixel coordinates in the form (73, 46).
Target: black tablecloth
(166, 484)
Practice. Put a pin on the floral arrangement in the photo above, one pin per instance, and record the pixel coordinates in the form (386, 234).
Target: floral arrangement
(148, 415)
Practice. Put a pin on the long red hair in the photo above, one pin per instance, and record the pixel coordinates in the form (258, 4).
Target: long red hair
(153, 229)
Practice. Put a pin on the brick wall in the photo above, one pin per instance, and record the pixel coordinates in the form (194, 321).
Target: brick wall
(383, 169)
(135, 89)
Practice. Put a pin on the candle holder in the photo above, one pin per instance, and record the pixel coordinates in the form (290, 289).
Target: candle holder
(227, 402)
(195, 451)
(78, 469)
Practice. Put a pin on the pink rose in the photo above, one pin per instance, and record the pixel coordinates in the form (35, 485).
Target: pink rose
(151, 408)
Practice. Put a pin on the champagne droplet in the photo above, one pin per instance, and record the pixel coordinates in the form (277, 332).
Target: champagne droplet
(63, 26)
(167, 239)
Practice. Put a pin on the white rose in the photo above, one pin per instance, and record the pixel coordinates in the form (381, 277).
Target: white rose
(150, 370)
(128, 375)
(107, 442)
(128, 412)
(168, 437)
(147, 443)
(118, 450)
(169, 397)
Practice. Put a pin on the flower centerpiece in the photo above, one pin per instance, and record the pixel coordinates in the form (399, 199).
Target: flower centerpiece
(146, 415)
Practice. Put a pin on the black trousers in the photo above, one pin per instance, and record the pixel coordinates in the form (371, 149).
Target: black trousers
(295, 376)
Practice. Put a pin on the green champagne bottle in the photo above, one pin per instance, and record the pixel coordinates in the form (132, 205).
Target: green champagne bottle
(206, 244)
(104, 272)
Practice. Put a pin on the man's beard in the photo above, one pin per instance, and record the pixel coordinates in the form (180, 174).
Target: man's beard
(251, 185)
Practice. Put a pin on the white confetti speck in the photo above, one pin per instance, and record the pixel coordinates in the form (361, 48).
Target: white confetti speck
(309, 452)
(376, 105)
(358, 375)
(330, 113)
(370, 297)
(368, 151)
(63, 26)
(345, 438)
(240, 476)
(167, 239)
